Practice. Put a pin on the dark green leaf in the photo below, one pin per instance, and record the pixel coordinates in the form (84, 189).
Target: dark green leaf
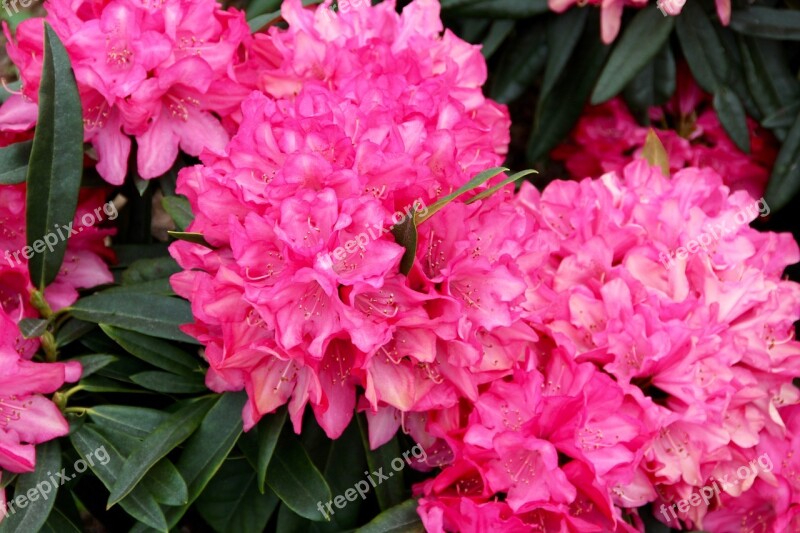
(156, 352)
(157, 316)
(498, 32)
(646, 34)
(232, 502)
(760, 21)
(168, 383)
(150, 269)
(559, 110)
(262, 21)
(405, 234)
(259, 7)
(14, 162)
(784, 117)
(345, 468)
(160, 287)
(295, 479)
(506, 9)
(165, 483)
(93, 363)
(36, 509)
(523, 59)
(58, 522)
(98, 383)
(172, 432)
(784, 183)
(194, 238)
(269, 429)
(563, 33)
(72, 330)
(702, 48)
(32, 328)
(402, 518)
(135, 421)
(732, 116)
(179, 209)
(56, 163)
(139, 503)
(392, 491)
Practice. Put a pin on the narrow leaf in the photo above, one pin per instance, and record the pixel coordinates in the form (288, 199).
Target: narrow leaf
(295, 479)
(179, 209)
(34, 514)
(760, 21)
(158, 316)
(405, 234)
(168, 383)
(732, 117)
(784, 183)
(14, 162)
(521, 61)
(56, 163)
(475, 182)
(654, 152)
(269, 429)
(195, 238)
(640, 42)
(32, 328)
(156, 352)
(488, 192)
(166, 437)
(402, 518)
(563, 33)
(701, 46)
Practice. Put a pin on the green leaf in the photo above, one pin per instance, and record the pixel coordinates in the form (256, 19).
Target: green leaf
(157, 316)
(402, 518)
(14, 162)
(32, 328)
(701, 46)
(640, 42)
(206, 450)
(654, 152)
(160, 287)
(732, 117)
(783, 117)
(784, 183)
(172, 432)
(559, 110)
(139, 503)
(150, 269)
(653, 85)
(156, 352)
(295, 479)
(478, 180)
(760, 21)
(72, 330)
(98, 383)
(93, 363)
(269, 429)
(232, 502)
(260, 22)
(168, 383)
(194, 238)
(498, 32)
(345, 467)
(165, 483)
(523, 59)
(405, 234)
(37, 507)
(392, 491)
(56, 163)
(563, 33)
(58, 522)
(179, 209)
(135, 421)
(505, 9)
(488, 192)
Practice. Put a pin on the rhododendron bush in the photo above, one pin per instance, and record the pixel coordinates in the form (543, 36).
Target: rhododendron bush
(265, 266)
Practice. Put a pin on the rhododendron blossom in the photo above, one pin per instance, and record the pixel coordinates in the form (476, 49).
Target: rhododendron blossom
(157, 73)
(607, 135)
(660, 381)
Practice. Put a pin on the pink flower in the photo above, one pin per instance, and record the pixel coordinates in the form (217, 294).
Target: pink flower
(131, 62)
(27, 418)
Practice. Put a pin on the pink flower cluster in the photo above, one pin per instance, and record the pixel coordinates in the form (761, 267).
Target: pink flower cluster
(558, 375)
(643, 384)
(607, 135)
(364, 116)
(28, 418)
(611, 11)
(160, 71)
